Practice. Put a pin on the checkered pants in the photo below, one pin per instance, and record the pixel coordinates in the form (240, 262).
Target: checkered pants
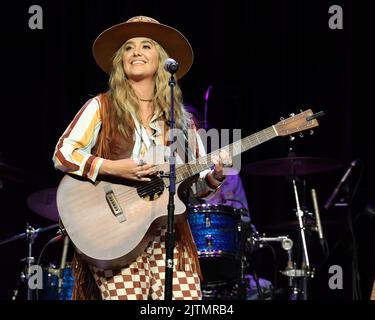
(144, 278)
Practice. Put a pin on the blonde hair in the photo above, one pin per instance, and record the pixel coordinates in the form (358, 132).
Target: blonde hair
(123, 99)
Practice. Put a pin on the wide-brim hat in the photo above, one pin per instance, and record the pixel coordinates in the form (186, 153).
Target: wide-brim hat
(172, 41)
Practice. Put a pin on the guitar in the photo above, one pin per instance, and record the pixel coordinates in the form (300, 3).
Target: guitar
(111, 222)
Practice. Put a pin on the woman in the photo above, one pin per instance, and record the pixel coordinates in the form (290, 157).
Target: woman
(109, 137)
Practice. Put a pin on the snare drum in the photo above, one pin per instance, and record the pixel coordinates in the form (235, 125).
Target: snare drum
(215, 230)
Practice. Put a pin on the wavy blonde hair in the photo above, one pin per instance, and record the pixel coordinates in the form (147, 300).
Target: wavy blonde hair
(123, 98)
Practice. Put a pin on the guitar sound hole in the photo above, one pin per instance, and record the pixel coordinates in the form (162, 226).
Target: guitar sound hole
(151, 190)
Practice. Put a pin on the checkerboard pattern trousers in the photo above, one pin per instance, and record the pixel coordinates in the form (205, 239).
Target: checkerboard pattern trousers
(144, 278)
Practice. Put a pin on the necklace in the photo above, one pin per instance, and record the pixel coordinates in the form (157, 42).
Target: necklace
(145, 100)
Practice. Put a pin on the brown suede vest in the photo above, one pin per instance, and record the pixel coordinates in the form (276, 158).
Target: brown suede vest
(121, 148)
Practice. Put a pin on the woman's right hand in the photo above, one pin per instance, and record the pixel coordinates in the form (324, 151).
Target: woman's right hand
(128, 169)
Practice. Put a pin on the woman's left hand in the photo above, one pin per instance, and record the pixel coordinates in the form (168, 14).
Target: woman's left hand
(220, 161)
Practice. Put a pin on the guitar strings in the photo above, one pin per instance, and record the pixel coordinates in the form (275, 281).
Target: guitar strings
(149, 186)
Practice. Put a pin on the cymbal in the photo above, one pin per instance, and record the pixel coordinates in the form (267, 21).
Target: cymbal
(43, 203)
(298, 166)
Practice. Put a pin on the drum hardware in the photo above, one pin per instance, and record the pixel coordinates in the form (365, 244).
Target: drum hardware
(208, 220)
(30, 235)
(63, 262)
(57, 283)
(256, 240)
(244, 228)
(293, 167)
(209, 240)
(295, 276)
(301, 289)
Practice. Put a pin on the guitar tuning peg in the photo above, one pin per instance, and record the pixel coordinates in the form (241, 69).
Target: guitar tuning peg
(311, 132)
(301, 110)
(292, 115)
(282, 118)
(301, 135)
(291, 138)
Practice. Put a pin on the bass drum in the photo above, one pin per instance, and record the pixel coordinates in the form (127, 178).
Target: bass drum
(215, 229)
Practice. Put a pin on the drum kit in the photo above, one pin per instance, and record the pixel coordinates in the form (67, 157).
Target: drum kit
(225, 238)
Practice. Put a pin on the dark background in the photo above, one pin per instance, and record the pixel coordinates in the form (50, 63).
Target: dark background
(264, 59)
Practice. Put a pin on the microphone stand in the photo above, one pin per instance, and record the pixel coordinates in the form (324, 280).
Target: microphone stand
(171, 206)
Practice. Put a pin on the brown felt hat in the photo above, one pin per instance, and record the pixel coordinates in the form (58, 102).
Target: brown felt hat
(173, 42)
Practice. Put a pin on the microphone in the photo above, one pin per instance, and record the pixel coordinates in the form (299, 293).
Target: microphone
(339, 186)
(171, 66)
(317, 214)
(319, 228)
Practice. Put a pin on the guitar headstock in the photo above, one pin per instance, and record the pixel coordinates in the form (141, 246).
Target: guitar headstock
(305, 120)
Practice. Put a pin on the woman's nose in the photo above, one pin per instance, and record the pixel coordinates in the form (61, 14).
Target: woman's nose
(136, 52)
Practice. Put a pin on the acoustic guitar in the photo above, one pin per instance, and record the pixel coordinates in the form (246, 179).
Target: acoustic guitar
(111, 222)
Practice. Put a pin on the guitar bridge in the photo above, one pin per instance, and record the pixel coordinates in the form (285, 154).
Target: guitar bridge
(114, 204)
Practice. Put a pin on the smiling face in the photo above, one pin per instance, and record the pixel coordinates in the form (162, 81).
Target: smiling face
(140, 59)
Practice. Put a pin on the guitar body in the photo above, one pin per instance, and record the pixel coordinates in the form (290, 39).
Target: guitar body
(103, 238)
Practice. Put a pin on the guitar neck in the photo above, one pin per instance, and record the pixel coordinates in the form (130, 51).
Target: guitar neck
(190, 169)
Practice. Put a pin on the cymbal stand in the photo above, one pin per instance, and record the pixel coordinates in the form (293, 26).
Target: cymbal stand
(306, 270)
(30, 234)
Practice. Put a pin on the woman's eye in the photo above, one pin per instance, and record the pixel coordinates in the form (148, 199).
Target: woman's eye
(146, 46)
(128, 48)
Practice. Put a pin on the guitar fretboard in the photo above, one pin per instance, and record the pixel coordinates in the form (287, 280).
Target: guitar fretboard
(190, 169)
